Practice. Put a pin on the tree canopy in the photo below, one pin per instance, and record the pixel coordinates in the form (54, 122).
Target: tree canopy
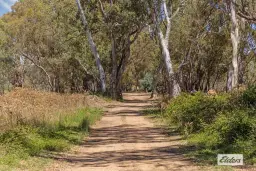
(181, 46)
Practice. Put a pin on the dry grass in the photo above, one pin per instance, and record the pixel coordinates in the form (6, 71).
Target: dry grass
(26, 105)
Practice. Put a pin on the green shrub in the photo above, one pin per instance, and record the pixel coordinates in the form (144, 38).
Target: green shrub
(57, 145)
(191, 113)
(249, 96)
(229, 127)
(231, 132)
(225, 123)
(147, 82)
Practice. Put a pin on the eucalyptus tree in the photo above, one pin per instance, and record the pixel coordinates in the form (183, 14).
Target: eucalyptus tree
(46, 35)
(93, 47)
(200, 46)
(25, 30)
(240, 11)
(38, 38)
(235, 43)
(124, 21)
(162, 11)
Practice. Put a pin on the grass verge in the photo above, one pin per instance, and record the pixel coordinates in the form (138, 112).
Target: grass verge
(212, 125)
(21, 147)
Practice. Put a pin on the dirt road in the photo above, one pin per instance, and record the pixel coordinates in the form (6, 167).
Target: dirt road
(124, 140)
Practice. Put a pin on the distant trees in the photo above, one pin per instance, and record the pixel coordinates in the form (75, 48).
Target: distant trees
(123, 22)
(183, 45)
(46, 36)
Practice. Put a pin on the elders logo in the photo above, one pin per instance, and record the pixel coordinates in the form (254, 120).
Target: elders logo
(230, 159)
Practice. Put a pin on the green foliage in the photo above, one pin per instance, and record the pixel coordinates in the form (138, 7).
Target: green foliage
(192, 112)
(209, 51)
(146, 82)
(31, 140)
(231, 132)
(249, 96)
(224, 123)
(142, 59)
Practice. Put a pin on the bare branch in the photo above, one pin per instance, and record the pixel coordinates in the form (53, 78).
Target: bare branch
(40, 67)
(249, 17)
(135, 37)
(168, 19)
(79, 61)
(102, 10)
(175, 13)
(137, 32)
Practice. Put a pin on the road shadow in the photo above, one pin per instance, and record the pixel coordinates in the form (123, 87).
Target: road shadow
(153, 147)
(161, 155)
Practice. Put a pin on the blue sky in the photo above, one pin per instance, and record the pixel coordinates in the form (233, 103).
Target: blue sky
(5, 6)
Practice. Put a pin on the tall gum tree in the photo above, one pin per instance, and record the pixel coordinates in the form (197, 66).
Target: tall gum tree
(93, 47)
(235, 42)
(124, 21)
(159, 8)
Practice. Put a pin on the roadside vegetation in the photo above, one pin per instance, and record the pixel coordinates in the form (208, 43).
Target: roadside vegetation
(219, 124)
(73, 50)
(31, 139)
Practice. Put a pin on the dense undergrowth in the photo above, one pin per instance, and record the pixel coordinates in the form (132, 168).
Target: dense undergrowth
(225, 123)
(20, 144)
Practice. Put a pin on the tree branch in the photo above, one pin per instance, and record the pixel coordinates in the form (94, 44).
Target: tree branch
(250, 17)
(245, 14)
(138, 31)
(102, 10)
(168, 19)
(40, 67)
(175, 13)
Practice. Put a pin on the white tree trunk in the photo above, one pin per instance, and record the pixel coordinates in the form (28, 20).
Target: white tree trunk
(235, 43)
(93, 48)
(229, 78)
(164, 43)
(174, 86)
